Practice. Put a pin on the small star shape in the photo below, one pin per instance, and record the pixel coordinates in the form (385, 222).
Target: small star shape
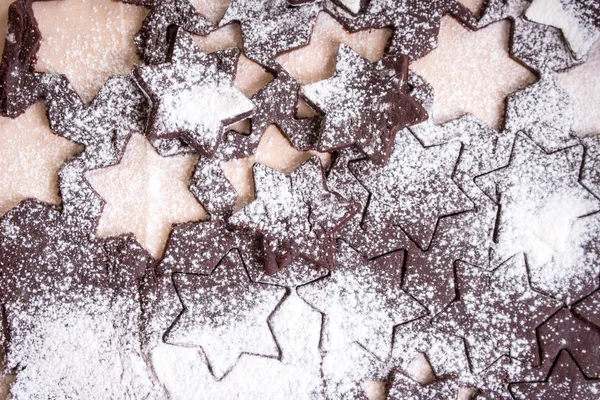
(361, 301)
(364, 104)
(226, 314)
(193, 96)
(415, 23)
(296, 215)
(413, 190)
(496, 313)
(478, 81)
(146, 194)
(262, 21)
(565, 381)
(152, 40)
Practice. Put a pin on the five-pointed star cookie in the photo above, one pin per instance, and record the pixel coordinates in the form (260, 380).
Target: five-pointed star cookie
(192, 96)
(226, 314)
(565, 381)
(496, 313)
(564, 330)
(271, 27)
(364, 104)
(362, 301)
(414, 189)
(544, 212)
(295, 215)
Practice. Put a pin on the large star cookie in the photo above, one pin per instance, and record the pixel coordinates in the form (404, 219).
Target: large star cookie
(295, 216)
(364, 104)
(192, 96)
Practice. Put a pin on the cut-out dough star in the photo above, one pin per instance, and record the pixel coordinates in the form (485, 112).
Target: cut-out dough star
(415, 23)
(88, 41)
(193, 96)
(479, 84)
(152, 40)
(271, 27)
(296, 215)
(542, 209)
(414, 189)
(579, 21)
(30, 158)
(226, 314)
(565, 381)
(583, 86)
(364, 104)
(146, 194)
(362, 301)
(496, 313)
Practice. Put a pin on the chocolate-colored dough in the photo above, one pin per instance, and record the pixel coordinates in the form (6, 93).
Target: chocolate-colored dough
(270, 27)
(564, 381)
(193, 75)
(159, 26)
(415, 23)
(296, 215)
(496, 313)
(364, 104)
(565, 331)
(19, 84)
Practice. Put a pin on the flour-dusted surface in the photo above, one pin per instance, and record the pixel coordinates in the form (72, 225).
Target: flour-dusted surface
(402, 313)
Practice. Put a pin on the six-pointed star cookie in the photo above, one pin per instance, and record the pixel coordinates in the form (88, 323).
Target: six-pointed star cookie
(192, 96)
(152, 41)
(544, 212)
(270, 27)
(496, 312)
(565, 381)
(416, 23)
(362, 301)
(414, 189)
(226, 314)
(365, 104)
(295, 215)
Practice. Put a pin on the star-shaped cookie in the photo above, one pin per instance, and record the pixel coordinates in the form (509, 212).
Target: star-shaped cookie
(295, 215)
(226, 314)
(564, 330)
(545, 213)
(496, 313)
(415, 23)
(152, 40)
(414, 190)
(271, 27)
(362, 301)
(364, 104)
(192, 96)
